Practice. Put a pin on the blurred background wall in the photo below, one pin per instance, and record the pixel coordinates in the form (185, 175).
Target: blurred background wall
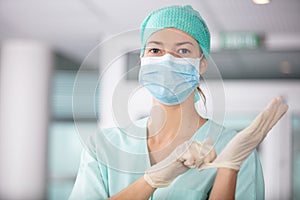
(61, 62)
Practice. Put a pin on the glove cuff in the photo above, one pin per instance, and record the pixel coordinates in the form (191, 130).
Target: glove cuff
(235, 166)
(153, 184)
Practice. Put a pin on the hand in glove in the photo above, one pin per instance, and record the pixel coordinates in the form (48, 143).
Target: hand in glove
(190, 154)
(243, 144)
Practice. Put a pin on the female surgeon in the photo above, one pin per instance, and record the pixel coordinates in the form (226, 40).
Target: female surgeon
(180, 162)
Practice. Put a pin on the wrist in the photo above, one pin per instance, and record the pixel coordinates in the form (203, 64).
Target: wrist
(228, 172)
(155, 184)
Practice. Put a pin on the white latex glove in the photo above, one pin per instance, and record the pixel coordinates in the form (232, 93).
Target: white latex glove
(243, 144)
(190, 154)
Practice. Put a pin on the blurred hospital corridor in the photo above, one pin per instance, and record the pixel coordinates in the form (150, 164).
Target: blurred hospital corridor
(70, 68)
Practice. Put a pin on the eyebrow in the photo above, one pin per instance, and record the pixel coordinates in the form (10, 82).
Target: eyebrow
(183, 43)
(154, 42)
(177, 44)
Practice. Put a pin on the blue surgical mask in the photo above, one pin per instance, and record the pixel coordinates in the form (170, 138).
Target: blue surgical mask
(169, 79)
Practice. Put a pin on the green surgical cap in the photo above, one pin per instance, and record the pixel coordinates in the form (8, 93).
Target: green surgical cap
(184, 18)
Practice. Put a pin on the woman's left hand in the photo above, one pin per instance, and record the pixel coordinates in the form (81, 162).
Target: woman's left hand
(243, 144)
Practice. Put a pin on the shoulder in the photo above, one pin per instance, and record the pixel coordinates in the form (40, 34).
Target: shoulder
(118, 149)
(129, 139)
(123, 149)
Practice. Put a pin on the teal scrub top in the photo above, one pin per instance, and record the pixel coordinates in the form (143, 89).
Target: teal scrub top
(115, 158)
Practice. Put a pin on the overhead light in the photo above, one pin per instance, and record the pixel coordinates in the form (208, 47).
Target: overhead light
(261, 1)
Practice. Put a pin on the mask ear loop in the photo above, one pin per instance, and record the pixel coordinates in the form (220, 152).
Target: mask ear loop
(201, 57)
(198, 92)
(197, 97)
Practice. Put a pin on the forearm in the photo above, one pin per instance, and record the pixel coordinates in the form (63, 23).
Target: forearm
(225, 184)
(139, 190)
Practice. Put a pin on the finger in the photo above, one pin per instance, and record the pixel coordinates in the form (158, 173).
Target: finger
(195, 153)
(194, 157)
(190, 163)
(185, 154)
(207, 152)
(280, 112)
(259, 120)
(188, 159)
(264, 118)
(205, 147)
(211, 156)
(273, 110)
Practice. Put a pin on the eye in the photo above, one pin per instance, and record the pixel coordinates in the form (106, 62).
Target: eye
(184, 51)
(154, 51)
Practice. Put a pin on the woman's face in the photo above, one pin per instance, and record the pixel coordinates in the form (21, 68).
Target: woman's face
(176, 43)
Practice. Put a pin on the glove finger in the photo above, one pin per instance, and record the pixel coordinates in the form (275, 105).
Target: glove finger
(206, 152)
(257, 123)
(196, 151)
(273, 110)
(264, 118)
(184, 154)
(190, 163)
(270, 112)
(210, 156)
(188, 159)
(280, 112)
(193, 157)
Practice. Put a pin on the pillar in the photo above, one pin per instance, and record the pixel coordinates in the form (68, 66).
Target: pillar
(25, 71)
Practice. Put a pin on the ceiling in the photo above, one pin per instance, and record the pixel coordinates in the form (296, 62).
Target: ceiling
(74, 27)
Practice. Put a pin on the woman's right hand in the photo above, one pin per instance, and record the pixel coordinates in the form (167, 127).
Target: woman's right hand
(190, 154)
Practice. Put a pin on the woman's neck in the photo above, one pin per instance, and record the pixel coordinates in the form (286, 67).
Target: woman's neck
(167, 123)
